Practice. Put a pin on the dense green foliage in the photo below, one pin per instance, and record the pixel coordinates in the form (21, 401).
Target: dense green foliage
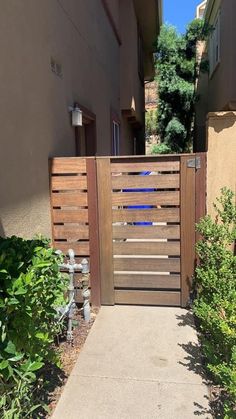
(31, 287)
(215, 305)
(160, 148)
(151, 123)
(177, 70)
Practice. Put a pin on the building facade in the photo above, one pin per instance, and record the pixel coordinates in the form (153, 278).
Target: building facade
(216, 108)
(96, 53)
(217, 89)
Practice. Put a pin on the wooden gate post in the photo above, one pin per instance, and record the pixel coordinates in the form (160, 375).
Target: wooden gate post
(95, 279)
(187, 223)
(105, 230)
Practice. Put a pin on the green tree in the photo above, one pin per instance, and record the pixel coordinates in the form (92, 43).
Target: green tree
(151, 122)
(177, 70)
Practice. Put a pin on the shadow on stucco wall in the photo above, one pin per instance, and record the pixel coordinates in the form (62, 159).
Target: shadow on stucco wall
(220, 121)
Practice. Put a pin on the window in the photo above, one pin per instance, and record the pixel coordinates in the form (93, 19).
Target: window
(214, 45)
(115, 138)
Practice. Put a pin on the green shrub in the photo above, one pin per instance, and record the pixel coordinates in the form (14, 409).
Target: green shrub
(215, 305)
(161, 148)
(31, 287)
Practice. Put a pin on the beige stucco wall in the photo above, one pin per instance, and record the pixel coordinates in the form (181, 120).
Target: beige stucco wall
(132, 90)
(34, 119)
(221, 156)
(218, 91)
(222, 83)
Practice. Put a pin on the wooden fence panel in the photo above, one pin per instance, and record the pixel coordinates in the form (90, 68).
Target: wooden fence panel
(146, 230)
(74, 209)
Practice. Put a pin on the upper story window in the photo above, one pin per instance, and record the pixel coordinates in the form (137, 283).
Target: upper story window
(214, 45)
(115, 138)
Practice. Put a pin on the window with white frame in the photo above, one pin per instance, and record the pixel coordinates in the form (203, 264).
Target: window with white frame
(214, 45)
(115, 138)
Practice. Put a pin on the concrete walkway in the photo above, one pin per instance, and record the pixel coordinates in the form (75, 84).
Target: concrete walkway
(137, 363)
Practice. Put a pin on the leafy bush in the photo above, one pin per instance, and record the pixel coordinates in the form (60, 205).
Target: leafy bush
(161, 148)
(31, 287)
(215, 305)
(151, 122)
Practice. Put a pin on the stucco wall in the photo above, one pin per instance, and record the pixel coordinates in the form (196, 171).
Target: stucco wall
(217, 92)
(34, 119)
(132, 90)
(222, 85)
(221, 156)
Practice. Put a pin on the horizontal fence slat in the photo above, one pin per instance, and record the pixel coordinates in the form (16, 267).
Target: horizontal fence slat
(80, 249)
(76, 232)
(146, 232)
(151, 181)
(70, 216)
(147, 265)
(162, 165)
(163, 298)
(152, 215)
(69, 199)
(146, 248)
(148, 198)
(147, 281)
(68, 183)
(65, 165)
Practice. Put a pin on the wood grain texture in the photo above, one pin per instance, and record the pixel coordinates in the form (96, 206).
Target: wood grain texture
(146, 232)
(187, 229)
(70, 199)
(67, 165)
(147, 264)
(80, 248)
(70, 216)
(151, 181)
(148, 198)
(68, 183)
(147, 248)
(161, 298)
(105, 230)
(68, 232)
(147, 281)
(95, 278)
(160, 165)
(153, 215)
(201, 190)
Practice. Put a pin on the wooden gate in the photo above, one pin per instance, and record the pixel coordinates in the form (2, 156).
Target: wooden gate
(137, 223)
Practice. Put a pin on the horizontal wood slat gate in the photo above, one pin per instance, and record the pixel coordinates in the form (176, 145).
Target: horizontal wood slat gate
(134, 218)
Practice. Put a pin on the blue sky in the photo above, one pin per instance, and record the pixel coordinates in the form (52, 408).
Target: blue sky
(179, 12)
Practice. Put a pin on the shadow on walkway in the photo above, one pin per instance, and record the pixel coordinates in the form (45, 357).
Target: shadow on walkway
(196, 362)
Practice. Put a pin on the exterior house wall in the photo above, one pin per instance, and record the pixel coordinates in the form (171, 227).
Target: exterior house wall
(34, 118)
(132, 87)
(221, 156)
(217, 91)
(222, 86)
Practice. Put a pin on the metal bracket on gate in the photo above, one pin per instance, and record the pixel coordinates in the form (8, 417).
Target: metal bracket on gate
(194, 163)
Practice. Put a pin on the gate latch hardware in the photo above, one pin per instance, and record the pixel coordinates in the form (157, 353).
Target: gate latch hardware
(194, 163)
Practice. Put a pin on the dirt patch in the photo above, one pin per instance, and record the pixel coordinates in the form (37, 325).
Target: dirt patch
(69, 354)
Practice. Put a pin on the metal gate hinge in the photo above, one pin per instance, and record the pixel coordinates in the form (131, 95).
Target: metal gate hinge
(194, 163)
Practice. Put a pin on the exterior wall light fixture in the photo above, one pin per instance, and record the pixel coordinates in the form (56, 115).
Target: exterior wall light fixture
(76, 115)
